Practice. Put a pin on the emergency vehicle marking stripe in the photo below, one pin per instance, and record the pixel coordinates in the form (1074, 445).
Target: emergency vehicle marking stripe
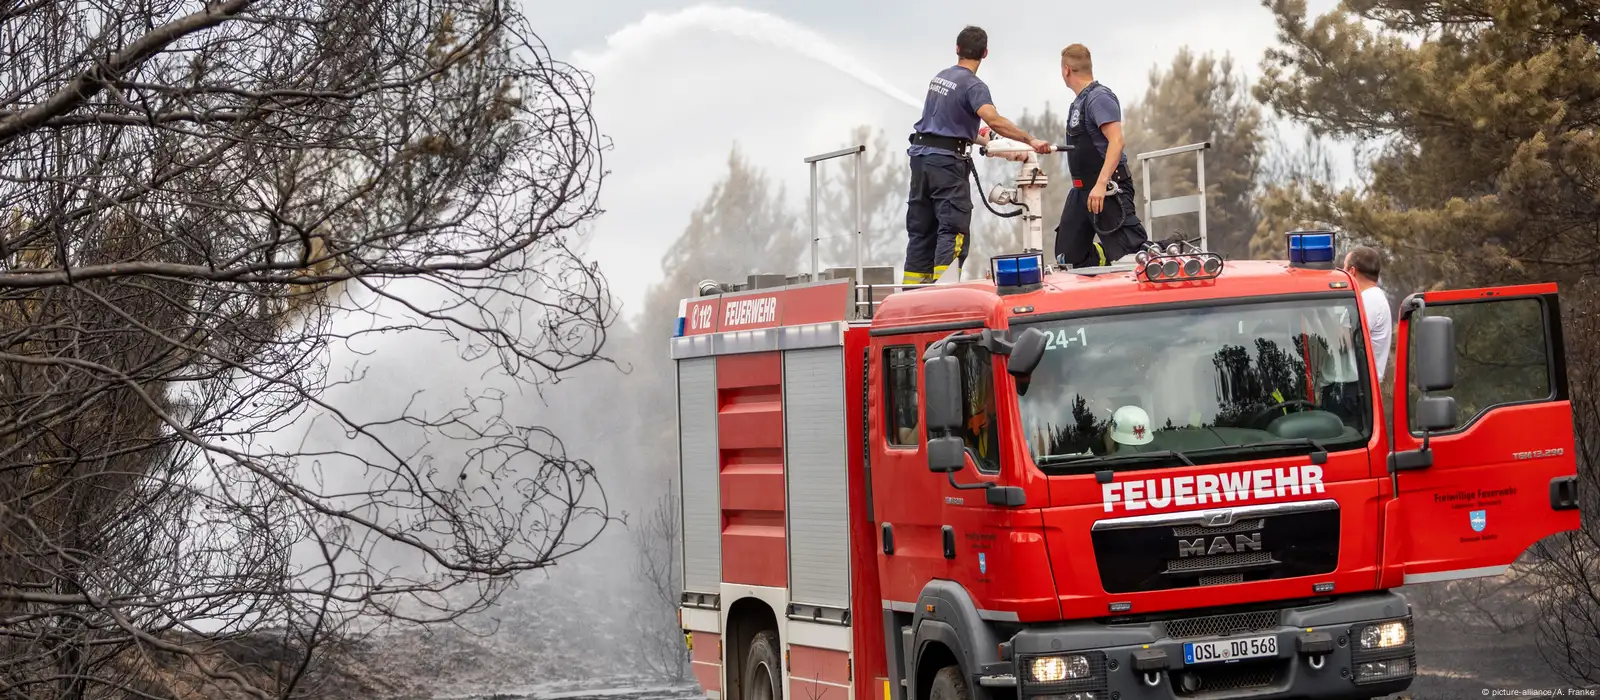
(1456, 574)
(697, 620)
(991, 615)
(690, 346)
(743, 342)
(699, 466)
(819, 636)
(815, 335)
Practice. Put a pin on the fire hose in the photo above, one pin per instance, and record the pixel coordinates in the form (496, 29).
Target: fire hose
(973, 168)
(1112, 202)
(1112, 190)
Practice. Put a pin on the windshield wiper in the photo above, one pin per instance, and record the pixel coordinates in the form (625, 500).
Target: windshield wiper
(1057, 460)
(1317, 457)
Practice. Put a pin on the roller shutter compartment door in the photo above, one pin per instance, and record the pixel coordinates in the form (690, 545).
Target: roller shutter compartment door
(815, 466)
(697, 455)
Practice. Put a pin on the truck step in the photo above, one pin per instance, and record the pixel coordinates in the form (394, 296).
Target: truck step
(1006, 680)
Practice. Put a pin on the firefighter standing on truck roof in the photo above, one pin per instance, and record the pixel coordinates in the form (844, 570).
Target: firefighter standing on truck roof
(939, 208)
(1094, 128)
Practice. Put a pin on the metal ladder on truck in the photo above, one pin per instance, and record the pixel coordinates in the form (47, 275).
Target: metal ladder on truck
(1153, 209)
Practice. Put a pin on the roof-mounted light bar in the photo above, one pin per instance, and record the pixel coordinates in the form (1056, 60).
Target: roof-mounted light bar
(1017, 273)
(1174, 264)
(1311, 249)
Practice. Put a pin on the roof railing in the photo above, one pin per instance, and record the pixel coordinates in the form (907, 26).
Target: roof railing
(1173, 206)
(856, 153)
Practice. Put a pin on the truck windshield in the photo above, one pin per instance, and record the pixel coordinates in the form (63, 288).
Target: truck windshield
(1198, 385)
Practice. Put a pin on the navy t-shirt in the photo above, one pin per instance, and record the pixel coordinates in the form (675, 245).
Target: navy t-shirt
(1100, 105)
(954, 97)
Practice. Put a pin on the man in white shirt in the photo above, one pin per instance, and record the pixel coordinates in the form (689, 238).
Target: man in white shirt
(1363, 264)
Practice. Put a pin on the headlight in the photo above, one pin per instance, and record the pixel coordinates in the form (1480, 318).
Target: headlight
(1055, 669)
(1383, 636)
(1378, 671)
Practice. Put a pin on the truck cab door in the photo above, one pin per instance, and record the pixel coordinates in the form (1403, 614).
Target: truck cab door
(1483, 465)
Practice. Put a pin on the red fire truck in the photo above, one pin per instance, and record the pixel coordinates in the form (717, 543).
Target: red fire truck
(1175, 477)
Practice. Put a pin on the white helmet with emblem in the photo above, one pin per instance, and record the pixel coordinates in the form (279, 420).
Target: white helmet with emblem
(1130, 425)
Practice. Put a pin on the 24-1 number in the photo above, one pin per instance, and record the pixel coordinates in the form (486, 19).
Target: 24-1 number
(1060, 339)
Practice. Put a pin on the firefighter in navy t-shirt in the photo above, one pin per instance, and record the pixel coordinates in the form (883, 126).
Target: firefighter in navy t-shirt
(939, 208)
(1094, 128)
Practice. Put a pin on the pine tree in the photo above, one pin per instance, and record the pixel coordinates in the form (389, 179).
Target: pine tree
(884, 186)
(1487, 173)
(744, 226)
(1490, 164)
(1201, 98)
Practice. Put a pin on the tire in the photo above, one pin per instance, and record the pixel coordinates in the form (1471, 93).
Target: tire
(763, 672)
(949, 685)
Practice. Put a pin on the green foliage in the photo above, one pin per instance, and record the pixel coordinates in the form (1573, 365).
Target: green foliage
(1491, 162)
(1195, 98)
(1488, 173)
(744, 226)
(884, 185)
(1202, 98)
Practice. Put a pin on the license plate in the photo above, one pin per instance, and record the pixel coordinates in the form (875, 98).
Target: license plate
(1230, 649)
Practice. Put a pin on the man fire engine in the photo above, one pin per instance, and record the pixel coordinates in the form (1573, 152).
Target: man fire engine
(962, 492)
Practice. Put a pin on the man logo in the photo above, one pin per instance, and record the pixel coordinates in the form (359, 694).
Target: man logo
(1219, 545)
(1479, 520)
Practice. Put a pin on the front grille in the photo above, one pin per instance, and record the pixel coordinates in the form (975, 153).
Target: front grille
(1241, 676)
(1220, 561)
(1222, 580)
(1133, 557)
(1198, 530)
(1220, 625)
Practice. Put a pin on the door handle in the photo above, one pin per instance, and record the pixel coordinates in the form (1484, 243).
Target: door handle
(1410, 460)
(1564, 493)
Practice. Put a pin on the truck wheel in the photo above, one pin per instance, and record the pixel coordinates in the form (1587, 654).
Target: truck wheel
(949, 685)
(763, 674)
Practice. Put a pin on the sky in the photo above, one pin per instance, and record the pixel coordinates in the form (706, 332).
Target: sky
(676, 90)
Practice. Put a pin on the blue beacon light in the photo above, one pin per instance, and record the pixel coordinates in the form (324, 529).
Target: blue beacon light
(1311, 249)
(1017, 272)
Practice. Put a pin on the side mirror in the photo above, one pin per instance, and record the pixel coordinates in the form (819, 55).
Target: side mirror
(1434, 343)
(1026, 352)
(946, 455)
(942, 376)
(1436, 413)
